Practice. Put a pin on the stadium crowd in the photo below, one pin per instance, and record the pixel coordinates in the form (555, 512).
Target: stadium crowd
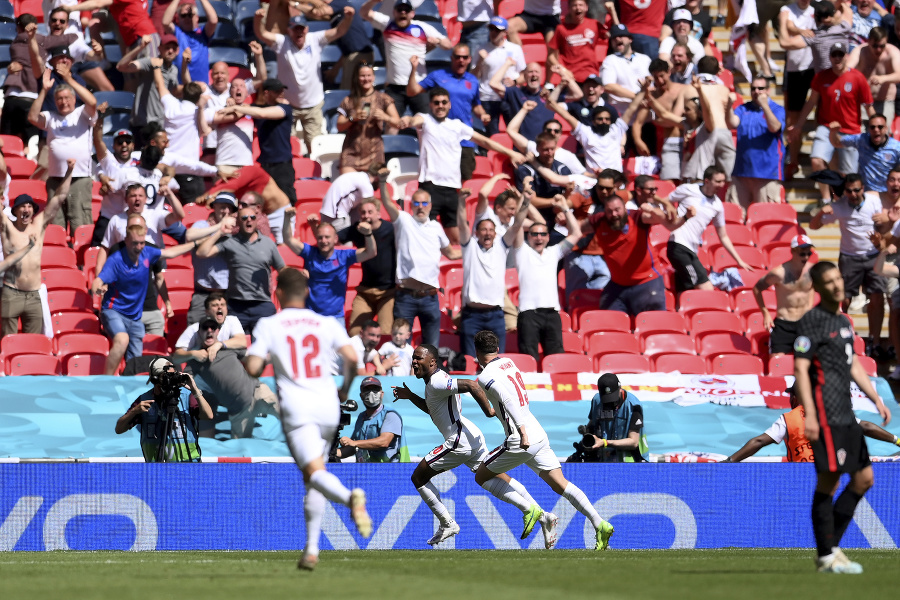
(582, 178)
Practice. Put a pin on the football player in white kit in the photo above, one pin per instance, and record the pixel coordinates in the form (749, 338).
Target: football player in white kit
(526, 441)
(463, 445)
(299, 343)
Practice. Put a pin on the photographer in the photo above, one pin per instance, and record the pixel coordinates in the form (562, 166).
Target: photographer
(149, 412)
(378, 434)
(615, 429)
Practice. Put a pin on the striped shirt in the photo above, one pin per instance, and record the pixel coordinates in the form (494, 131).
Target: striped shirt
(401, 44)
(823, 41)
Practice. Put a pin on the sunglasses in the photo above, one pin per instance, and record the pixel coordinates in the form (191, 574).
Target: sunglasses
(759, 88)
(210, 328)
(63, 21)
(650, 190)
(189, 13)
(877, 126)
(420, 204)
(804, 254)
(607, 188)
(538, 233)
(461, 56)
(248, 218)
(553, 131)
(440, 102)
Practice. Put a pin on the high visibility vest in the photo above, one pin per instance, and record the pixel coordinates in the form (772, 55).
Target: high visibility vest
(799, 449)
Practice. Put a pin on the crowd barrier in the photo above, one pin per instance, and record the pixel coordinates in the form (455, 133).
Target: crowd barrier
(260, 507)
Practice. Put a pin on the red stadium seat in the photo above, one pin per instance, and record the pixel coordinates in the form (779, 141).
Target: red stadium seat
(683, 363)
(859, 345)
(12, 146)
(754, 323)
(603, 320)
(606, 342)
(181, 300)
(659, 236)
(703, 323)
(482, 169)
(63, 279)
(767, 233)
(195, 212)
(768, 212)
(566, 320)
(55, 235)
(693, 301)
(58, 256)
(84, 364)
(869, 364)
(81, 240)
(155, 345)
(304, 167)
(658, 321)
(311, 189)
(781, 365)
(733, 213)
(453, 278)
(78, 322)
(32, 364)
(70, 300)
(535, 53)
(750, 255)
(185, 261)
(735, 364)
(573, 342)
(22, 168)
(524, 362)
(744, 301)
(668, 343)
(175, 326)
(80, 343)
(581, 301)
(749, 278)
(622, 363)
(713, 344)
(566, 363)
(180, 279)
(25, 343)
(738, 233)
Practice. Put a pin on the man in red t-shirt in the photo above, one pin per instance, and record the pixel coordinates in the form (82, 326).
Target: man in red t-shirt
(132, 18)
(574, 44)
(836, 94)
(644, 19)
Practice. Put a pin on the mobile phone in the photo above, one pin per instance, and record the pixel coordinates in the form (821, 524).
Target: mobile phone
(367, 107)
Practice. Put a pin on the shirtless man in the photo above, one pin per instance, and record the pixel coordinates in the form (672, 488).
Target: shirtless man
(670, 96)
(793, 295)
(890, 201)
(879, 62)
(21, 284)
(714, 141)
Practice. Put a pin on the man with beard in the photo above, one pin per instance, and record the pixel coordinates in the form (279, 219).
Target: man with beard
(233, 131)
(682, 61)
(546, 191)
(671, 97)
(878, 151)
(880, 63)
(514, 97)
(552, 128)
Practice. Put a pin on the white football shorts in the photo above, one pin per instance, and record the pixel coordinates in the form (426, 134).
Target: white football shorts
(539, 457)
(309, 442)
(466, 448)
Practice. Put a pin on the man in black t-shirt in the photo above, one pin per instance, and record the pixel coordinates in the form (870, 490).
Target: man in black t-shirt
(824, 365)
(544, 190)
(375, 292)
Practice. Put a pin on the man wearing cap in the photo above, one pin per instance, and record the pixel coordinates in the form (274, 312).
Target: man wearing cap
(21, 284)
(615, 424)
(574, 44)
(682, 26)
(878, 151)
(68, 137)
(300, 66)
(491, 60)
(403, 39)
(836, 94)
(759, 152)
(190, 35)
(832, 27)
(855, 212)
(793, 296)
(378, 432)
(623, 69)
(86, 58)
(515, 96)
(211, 274)
(148, 414)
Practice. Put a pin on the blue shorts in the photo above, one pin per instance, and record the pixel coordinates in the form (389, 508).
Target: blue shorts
(115, 323)
(634, 299)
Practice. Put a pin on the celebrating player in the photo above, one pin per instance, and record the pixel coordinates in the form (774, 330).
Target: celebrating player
(526, 441)
(299, 344)
(463, 445)
(824, 364)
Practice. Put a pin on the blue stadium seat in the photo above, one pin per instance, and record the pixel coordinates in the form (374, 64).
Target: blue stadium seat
(236, 57)
(243, 17)
(226, 34)
(7, 32)
(223, 10)
(400, 145)
(380, 77)
(116, 121)
(118, 101)
(333, 99)
(377, 58)
(330, 55)
(428, 11)
(4, 56)
(113, 53)
(319, 25)
(7, 13)
(439, 58)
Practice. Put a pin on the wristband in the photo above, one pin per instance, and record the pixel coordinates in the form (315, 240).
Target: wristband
(896, 441)
(605, 443)
(195, 243)
(367, 235)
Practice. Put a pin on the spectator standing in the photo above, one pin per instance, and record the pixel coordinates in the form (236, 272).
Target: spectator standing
(537, 16)
(552, 127)
(682, 61)
(475, 16)
(515, 96)
(585, 267)
(233, 133)
(492, 58)
(682, 28)
(21, 283)
(664, 97)
(699, 207)
(300, 67)
(148, 106)
(796, 18)
(251, 257)
(759, 153)
(190, 35)
(86, 58)
(701, 25)
(184, 120)
(714, 143)
(403, 39)
(462, 90)
(545, 192)
(364, 343)
(484, 273)
(419, 242)
(21, 86)
(591, 97)
(879, 62)
(574, 44)
(878, 151)
(131, 18)
(645, 20)
(211, 274)
(832, 27)
(623, 71)
(362, 117)
(68, 137)
(866, 16)
(355, 45)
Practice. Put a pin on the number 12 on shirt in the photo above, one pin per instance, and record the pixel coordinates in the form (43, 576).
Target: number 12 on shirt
(311, 344)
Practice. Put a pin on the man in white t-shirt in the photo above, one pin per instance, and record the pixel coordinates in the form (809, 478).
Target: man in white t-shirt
(339, 206)
(420, 243)
(537, 263)
(300, 66)
(365, 344)
(492, 57)
(682, 26)
(484, 272)
(698, 207)
(623, 69)
(440, 153)
(308, 399)
(68, 136)
(230, 334)
(233, 132)
(796, 18)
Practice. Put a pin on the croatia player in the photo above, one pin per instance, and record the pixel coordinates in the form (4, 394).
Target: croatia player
(526, 442)
(299, 343)
(463, 445)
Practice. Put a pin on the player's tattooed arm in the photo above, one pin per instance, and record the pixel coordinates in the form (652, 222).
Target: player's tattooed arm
(469, 386)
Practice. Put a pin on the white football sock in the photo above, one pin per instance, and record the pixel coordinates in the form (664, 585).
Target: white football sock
(516, 485)
(432, 498)
(330, 486)
(581, 503)
(503, 491)
(313, 508)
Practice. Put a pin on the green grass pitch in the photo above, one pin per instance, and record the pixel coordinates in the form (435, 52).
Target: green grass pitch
(398, 575)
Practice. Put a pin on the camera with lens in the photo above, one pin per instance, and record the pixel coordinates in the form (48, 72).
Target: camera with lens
(347, 407)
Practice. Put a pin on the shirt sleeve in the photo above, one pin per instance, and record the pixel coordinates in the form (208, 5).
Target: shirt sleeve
(865, 92)
(637, 419)
(171, 105)
(320, 38)
(778, 430)
(428, 82)
(379, 20)
(304, 252)
(108, 274)
(277, 261)
(442, 385)
(279, 42)
(260, 345)
(519, 57)
(429, 30)
(187, 337)
(719, 220)
(392, 424)
(607, 73)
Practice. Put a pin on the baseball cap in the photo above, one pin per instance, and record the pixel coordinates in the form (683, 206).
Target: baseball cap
(499, 23)
(168, 38)
(158, 366)
(226, 198)
(682, 14)
(369, 382)
(593, 78)
(123, 133)
(58, 51)
(297, 21)
(25, 199)
(272, 85)
(403, 5)
(801, 241)
(837, 47)
(210, 323)
(619, 31)
(608, 387)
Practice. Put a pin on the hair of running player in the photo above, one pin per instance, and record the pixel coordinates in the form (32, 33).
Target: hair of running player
(292, 283)
(486, 342)
(431, 350)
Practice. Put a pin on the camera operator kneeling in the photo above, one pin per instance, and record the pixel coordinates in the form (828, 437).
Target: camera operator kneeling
(168, 412)
(378, 434)
(615, 429)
